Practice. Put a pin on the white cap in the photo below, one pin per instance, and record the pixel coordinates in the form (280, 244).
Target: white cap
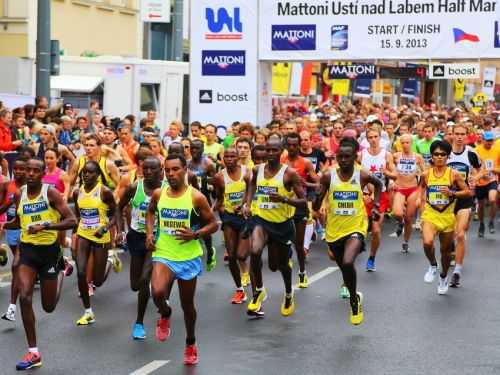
(313, 117)
(334, 117)
(450, 123)
(371, 118)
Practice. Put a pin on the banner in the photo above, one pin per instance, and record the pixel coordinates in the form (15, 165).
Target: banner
(455, 71)
(459, 85)
(281, 78)
(352, 71)
(224, 81)
(489, 77)
(378, 29)
(409, 88)
(362, 88)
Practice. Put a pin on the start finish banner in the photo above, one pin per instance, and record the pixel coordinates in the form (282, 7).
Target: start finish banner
(378, 29)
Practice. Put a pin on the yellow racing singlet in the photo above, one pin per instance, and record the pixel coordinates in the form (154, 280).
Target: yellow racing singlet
(439, 208)
(93, 214)
(346, 208)
(234, 191)
(174, 214)
(102, 165)
(274, 212)
(37, 211)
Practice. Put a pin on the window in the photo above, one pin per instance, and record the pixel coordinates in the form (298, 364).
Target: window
(150, 96)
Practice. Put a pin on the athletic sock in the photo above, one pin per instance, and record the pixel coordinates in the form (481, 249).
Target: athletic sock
(190, 341)
(442, 275)
(12, 307)
(240, 289)
(33, 350)
(434, 265)
(88, 311)
(458, 269)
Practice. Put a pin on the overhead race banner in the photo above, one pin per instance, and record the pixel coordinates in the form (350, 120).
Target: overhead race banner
(378, 29)
(223, 80)
(455, 71)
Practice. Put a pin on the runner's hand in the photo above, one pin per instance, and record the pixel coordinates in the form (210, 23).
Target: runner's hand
(120, 238)
(100, 232)
(275, 197)
(247, 212)
(185, 235)
(35, 229)
(150, 242)
(446, 191)
(375, 214)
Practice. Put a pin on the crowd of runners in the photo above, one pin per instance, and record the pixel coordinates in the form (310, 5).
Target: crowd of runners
(75, 188)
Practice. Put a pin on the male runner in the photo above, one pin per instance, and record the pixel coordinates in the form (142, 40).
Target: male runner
(244, 149)
(138, 195)
(274, 184)
(41, 213)
(305, 169)
(377, 161)
(347, 221)
(466, 162)
(96, 210)
(230, 187)
(441, 186)
(204, 170)
(409, 166)
(184, 217)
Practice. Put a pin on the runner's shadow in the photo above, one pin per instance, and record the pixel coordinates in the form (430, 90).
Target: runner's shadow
(9, 330)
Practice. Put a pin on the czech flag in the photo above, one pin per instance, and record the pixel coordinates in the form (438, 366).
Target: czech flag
(461, 35)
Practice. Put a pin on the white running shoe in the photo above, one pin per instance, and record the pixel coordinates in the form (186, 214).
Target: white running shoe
(430, 275)
(443, 285)
(10, 315)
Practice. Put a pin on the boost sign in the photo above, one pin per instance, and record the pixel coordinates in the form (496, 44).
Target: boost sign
(454, 71)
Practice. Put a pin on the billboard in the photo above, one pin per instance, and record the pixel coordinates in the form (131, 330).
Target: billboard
(378, 29)
(455, 71)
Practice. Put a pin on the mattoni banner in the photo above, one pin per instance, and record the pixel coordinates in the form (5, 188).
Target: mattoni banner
(224, 76)
(378, 29)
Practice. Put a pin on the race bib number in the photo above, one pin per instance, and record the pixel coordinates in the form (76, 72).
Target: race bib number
(268, 206)
(90, 218)
(489, 164)
(263, 195)
(172, 220)
(344, 202)
(407, 166)
(436, 197)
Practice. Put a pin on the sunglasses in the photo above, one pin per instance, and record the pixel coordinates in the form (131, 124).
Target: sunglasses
(187, 147)
(440, 154)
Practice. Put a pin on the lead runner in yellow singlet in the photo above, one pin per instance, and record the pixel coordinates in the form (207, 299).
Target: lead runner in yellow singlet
(440, 187)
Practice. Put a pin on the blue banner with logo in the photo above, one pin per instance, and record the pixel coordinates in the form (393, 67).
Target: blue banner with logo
(410, 88)
(352, 71)
(363, 87)
(293, 37)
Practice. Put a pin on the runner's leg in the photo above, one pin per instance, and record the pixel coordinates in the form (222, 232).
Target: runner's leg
(26, 282)
(187, 290)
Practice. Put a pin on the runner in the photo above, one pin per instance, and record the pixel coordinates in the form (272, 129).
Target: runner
(96, 210)
(274, 185)
(177, 251)
(41, 213)
(441, 186)
(204, 169)
(409, 166)
(244, 149)
(12, 236)
(230, 187)
(378, 162)
(347, 221)
(487, 185)
(138, 195)
(48, 139)
(305, 169)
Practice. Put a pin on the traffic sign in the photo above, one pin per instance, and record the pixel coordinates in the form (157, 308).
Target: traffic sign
(155, 11)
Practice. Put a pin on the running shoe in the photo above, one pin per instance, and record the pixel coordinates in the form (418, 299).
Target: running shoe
(303, 281)
(430, 275)
(10, 315)
(245, 279)
(491, 227)
(405, 248)
(4, 255)
(357, 312)
(443, 285)
(288, 305)
(344, 292)
(115, 261)
(370, 265)
(256, 302)
(163, 329)
(417, 225)
(86, 319)
(29, 361)
(138, 332)
(455, 280)
(256, 314)
(239, 297)
(480, 232)
(68, 268)
(191, 355)
(212, 261)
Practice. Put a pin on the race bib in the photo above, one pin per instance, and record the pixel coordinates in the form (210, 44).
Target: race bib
(407, 166)
(173, 219)
(263, 195)
(236, 199)
(489, 164)
(344, 202)
(90, 219)
(436, 198)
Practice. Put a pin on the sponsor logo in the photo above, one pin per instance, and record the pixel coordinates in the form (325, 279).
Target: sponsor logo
(174, 213)
(236, 196)
(454, 71)
(32, 208)
(51, 270)
(89, 212)
(266, 190)
(206, 96)
(353, 71)
(438, 70)
(461, 36)
(496, 38)
(223, 26)
(293, 37)
(345, 195)
(340, 37)
(223, 63)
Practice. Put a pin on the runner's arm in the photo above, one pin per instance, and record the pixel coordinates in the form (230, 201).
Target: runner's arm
(113, 172)
(68, 155)
(113, 213)
(125, 199)
(218, 182)
(15, 223)
(296, 185)
(464, 191)
(390, 170)
(324, 185)
(250, 192)
(67, 186)
(150, 219)
(311, 173)
(68, 220)
(366, 179)
(5, 203)
(193, 180)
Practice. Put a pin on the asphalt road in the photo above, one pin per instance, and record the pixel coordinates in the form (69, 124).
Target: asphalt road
(408, 328)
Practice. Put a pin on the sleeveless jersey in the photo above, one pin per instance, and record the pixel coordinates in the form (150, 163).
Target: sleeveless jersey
(102, 165)
(346, 208)
(37, 211)
(407, 165)
(373, 164)
(54, 180)
(173, 214)
(435, 200)
(462, 162)
(11, 191)
(93, 214)
(275, 212)
(201, 176)
(234, 191)
(139, 204)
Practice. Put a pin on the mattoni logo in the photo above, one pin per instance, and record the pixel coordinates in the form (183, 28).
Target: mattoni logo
(340, 37)
(438, 70)
(497, 35)
(216, 24)
(206, 96)
(293, 37)
(223, 63)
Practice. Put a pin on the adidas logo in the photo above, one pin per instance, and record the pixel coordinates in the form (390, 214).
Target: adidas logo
(51, 270)
(438, 71)
(206, 96)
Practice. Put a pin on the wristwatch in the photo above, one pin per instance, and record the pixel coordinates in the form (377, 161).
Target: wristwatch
(46, 225)
(286, 200)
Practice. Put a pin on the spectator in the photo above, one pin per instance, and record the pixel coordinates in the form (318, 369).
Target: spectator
(6, 143)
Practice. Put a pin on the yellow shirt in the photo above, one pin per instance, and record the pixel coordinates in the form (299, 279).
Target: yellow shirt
(489, 159)
(274, 212)
(234, 191)
(93, 215)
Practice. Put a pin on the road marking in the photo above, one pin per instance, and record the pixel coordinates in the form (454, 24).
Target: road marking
(149, 368)
(319, 275)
